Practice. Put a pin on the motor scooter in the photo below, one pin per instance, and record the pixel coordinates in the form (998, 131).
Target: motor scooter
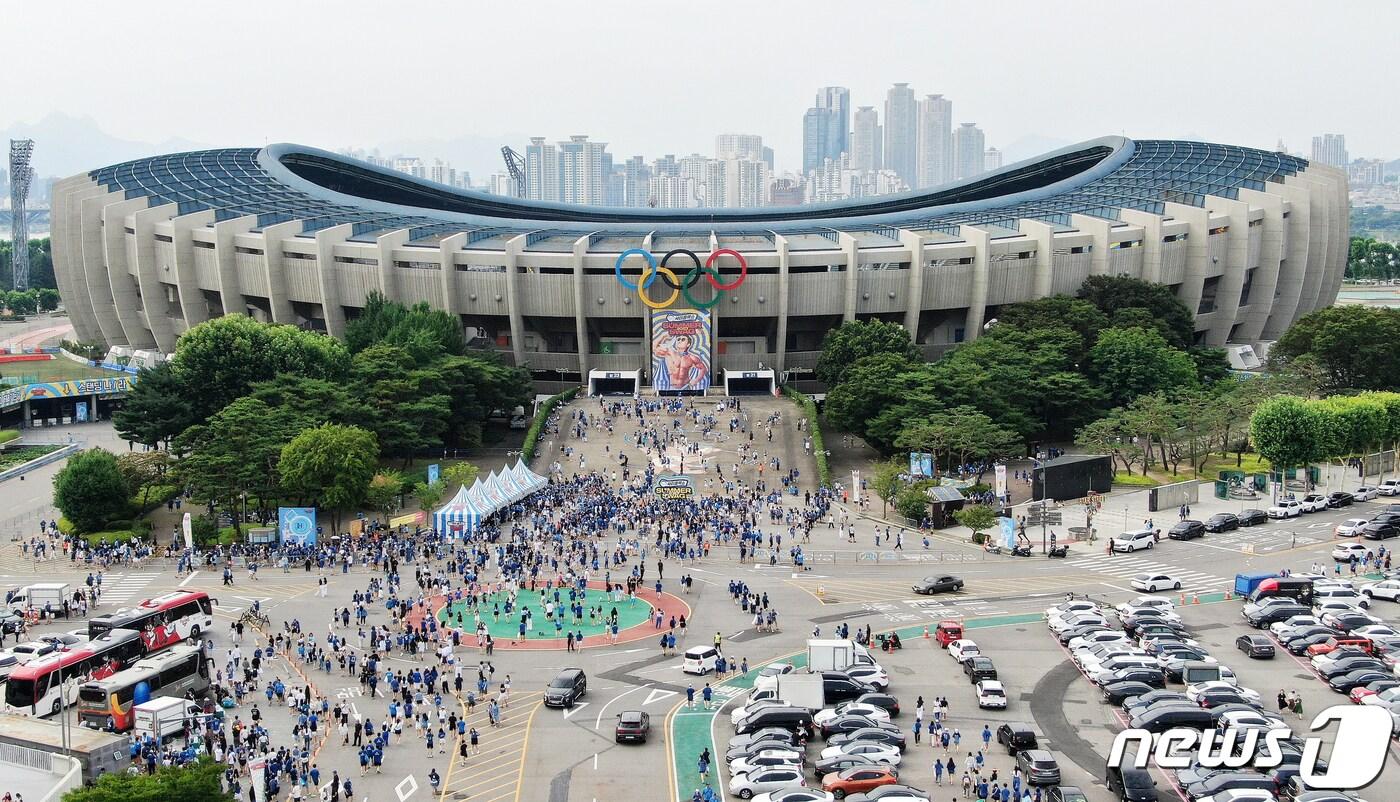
(1058, 551)
(1021, 550)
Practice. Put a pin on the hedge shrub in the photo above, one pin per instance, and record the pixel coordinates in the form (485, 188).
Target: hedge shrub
(532, 437)
(814, 428)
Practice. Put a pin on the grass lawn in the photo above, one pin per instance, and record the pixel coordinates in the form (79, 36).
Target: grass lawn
(17, 456)
(53, 370)
(1136, 480)
(1251, 463)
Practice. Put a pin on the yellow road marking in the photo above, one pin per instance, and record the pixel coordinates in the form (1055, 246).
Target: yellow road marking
(520, 773)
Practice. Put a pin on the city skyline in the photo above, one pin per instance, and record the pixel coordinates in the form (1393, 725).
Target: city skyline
(501, 97)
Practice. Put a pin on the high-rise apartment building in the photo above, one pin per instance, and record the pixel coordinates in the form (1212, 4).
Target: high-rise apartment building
(409, 165)
(838, 99)
(739, 146)
(1330, 149)
(745, 183)
(935, 163)
(672, 192)
(582, 173)
(501, 184)
(866, 144)
(442, 172)
(969, 154)
(992, 160)
(636, 186)
(541, 170)
(816, 132)
(902, 133)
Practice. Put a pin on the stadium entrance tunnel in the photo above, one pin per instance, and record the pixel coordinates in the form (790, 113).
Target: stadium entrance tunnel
(614, 382)
(750, 382)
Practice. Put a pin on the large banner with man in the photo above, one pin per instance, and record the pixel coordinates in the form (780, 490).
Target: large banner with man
(680, 350)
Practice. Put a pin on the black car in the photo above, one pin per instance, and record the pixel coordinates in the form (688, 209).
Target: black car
(1349, 621)
(1300, 644)
(1080, 631)
(840, 686)
(1145, 675)
(884, 701)
(848, 722)
(632, 725)
(1259, 619)
(1252, 517)
(1131, 785)
(1214, 697)
(1222, 522)
(1116, 693)
(1386, 517)
(880, 733)
(770, 733)
(1256, 646)
(1015, 736)
(1135, 706)
(1187, 530)
(937, 584)
(979, 668)
(1066, 793)
(840, 763)
(1159, 721)
(1380, 531)
(566, 688)
(1350, 663)
(1339, 498)
(789, 718)
(1359, 678)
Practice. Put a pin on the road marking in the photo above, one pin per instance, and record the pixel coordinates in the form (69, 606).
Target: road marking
(187, 579)
(599, 721)
(1115, 587)
(412, 788)
(595, 761)
(525, 750)
(657, 694)
(570, 711)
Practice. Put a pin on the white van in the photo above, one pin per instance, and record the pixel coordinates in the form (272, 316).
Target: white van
(164, 716)
(40, 594)
(700, 660)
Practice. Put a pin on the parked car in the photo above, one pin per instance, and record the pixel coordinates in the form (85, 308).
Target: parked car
(1066, 793)
(1131, 785)
(1038, 766)
(1338, 499)
(1252, 516)
(1135, 540)
(1365, 493)
(1255, 646)
(1314, 502)
(1380, 531)
(746, 786)
(1351, 527)
(938, 584)
(1286, 508)
(1187, 530)
(1222, 522)
(1116, 693)
(1388, 589)
(858, 780)
(1388, 487)
(632, 725)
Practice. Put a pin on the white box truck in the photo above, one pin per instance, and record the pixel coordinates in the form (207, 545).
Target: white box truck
(40, 594)
(802, 690)
(164, 716)
(836, 655)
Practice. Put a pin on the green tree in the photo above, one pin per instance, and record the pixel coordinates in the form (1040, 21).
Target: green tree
(1127, 363)
(1113, 293)
(89, 490)
(157, 408)
(978, 518)
(870, 386)
(1356, 347)
(48, 299)
(235, 453)
(1112, 435)
(142, 470)
(332, 464)
(885, 482)
(312, 402)
(429, 495)
(382, 495)
(196, 782)
(912, 501)
(460, 474)
(855, 339)
(410, 406)
(1286, 432)
(1055, 312)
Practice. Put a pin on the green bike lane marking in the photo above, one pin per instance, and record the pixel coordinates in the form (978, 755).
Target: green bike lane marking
(691, 731)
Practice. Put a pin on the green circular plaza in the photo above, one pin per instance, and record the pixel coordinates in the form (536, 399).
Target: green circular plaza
(503, 622)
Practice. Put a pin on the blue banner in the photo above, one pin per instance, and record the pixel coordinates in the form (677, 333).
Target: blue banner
(1008, 532)
(297, 525)
(926, 462)
(433, 473)
(914, 464)
(80, 412)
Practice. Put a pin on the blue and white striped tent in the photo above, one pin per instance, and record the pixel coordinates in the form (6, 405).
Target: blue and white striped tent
(458, 515)
(527, 478)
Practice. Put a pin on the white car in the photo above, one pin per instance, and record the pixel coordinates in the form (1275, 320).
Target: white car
(1286, 508)
(1106, 636)
(1386, 698)
(1389, 487)
(875, 675)
(796, 795)
(1151, 583)
(1374, 631)
(1278, 628)
(1345, 551)
(1351, 527)
(963, 649)
(1135, 540)
(768, 758)
(1159, 602)
(746, 786)
(1250, 720)
(1059, 625)
(1091, 662)
(1240, 795)
(1322, 595)
(1388, 589)
(1193, 692)
(1071, 608)
(853, 708)
(1366, 493)
(991, 694)
(1314, 502)
(884, 754)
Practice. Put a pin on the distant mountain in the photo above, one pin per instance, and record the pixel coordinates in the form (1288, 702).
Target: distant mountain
(1028, 147)
(478, 154)
(65, 145)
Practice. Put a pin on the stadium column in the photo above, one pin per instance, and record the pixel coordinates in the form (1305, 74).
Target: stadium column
(275, 280)
(331, 308)
(1098, 228)
(1044, 235)
(1227, 297)
(1319, 239)
(580, 320)
(517, 320)
(715, 314)
(780, 244)
(646, 321)
(155, 300)
(125, 295)
(914, 288)
(1266, 275)
(94, 258)
(1151, 225)
(448, 248)
(1197, 222)
(1297, 236)
(231, 296)
(981, 241)
(1341, 233)
(851, 248)
(192, 305)
(384, 246)
(67, 233)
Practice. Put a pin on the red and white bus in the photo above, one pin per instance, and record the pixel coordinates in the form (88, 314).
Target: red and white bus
(110, 703)
(162, 621)
(38, 687)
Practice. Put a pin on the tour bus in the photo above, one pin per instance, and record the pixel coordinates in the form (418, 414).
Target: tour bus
(164, 620)
(175, 672)
(38, 687)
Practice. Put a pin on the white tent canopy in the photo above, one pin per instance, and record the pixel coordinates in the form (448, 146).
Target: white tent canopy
(459, 514)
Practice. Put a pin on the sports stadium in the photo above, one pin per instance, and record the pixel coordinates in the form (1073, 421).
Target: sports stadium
(685, 299)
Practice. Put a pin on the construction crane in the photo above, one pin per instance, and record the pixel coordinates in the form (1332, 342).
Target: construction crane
(20, 176)
(515, 165)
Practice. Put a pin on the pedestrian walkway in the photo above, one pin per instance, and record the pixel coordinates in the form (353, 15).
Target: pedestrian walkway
(493, 774)
(1126, 567)
(118, 590)
(976, 591)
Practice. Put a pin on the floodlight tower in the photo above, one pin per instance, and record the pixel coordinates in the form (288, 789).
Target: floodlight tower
(20, 176)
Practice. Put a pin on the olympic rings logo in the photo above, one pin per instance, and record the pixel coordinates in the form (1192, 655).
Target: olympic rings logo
(680, 287)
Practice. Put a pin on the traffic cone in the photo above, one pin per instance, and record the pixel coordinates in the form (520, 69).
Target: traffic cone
(1183, 598)
(1228, 596)
(925, 631)
(1196, 599)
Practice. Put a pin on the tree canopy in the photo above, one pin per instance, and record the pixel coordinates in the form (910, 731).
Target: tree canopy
(332, 464)
(196, 782)
(1355, 347)
(855, 339)
(89, 490)
(1115, 294)
(1127, 363)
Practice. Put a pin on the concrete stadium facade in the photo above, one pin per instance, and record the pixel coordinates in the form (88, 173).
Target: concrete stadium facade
(1248, 239)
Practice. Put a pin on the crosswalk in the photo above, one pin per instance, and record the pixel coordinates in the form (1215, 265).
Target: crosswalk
(119, 590)
(1125, 567)
(976, 591)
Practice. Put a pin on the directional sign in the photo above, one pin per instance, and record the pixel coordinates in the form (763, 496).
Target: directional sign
(657, 695)
(570, 711)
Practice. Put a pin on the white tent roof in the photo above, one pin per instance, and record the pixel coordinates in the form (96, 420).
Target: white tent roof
(460, 510)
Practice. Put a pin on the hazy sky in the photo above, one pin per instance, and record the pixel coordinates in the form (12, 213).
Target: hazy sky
(653, 77)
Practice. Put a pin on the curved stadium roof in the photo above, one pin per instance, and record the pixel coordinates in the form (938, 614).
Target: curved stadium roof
(290, 182)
